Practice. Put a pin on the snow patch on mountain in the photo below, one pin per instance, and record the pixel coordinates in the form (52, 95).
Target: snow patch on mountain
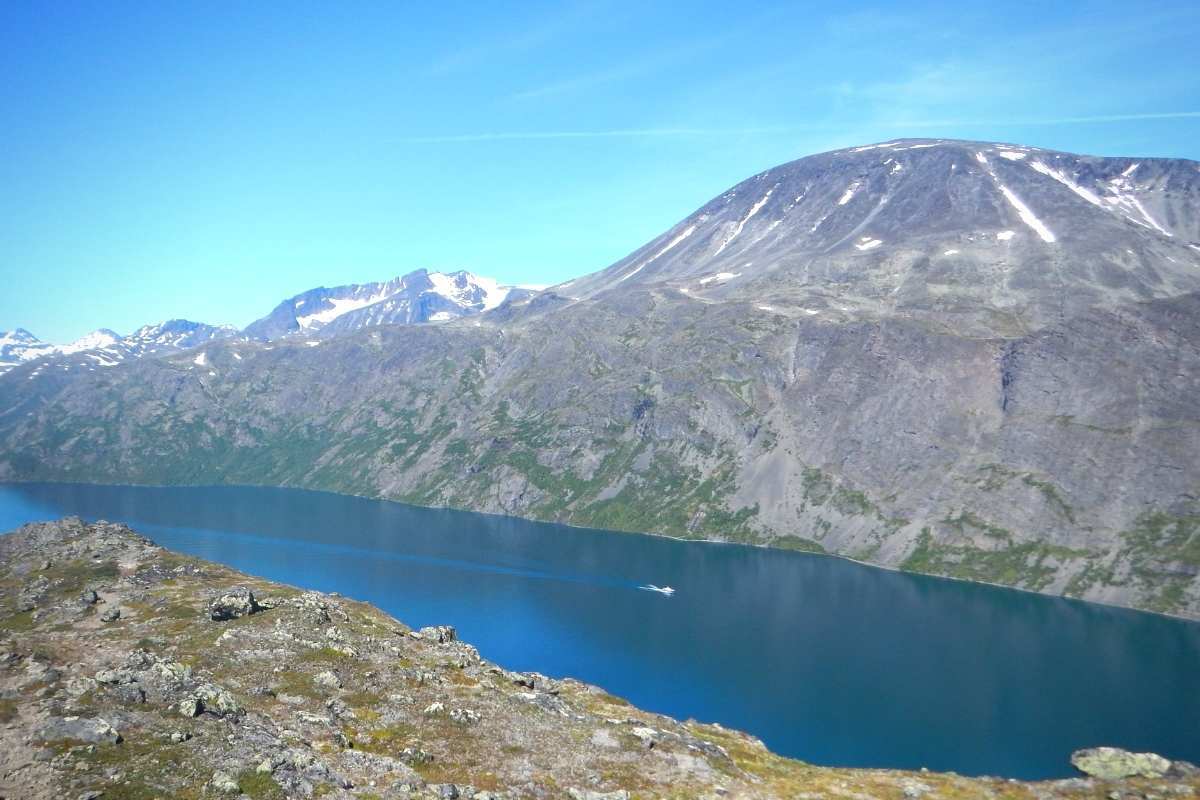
(337, 307)
(686, 233)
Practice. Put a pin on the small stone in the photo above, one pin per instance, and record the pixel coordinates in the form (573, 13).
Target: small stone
(223, 783)
(111, 615)
(465, 716)
(415, 756)
(447, 791)
(434, 709)
(180, 736)
(648, 736)
(115, 677)
(265, 767)
(328, 680)
(89, 597)
(190, 707)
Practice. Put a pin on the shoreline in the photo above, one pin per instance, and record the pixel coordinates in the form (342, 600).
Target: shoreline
(759, 546)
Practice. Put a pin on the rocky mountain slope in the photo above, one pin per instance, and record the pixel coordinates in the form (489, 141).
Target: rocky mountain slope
(419, 296)
(127, 671)
(961, 358)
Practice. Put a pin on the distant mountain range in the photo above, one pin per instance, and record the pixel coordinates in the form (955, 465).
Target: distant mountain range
(417, 297)
(106, 348)
(969, 359)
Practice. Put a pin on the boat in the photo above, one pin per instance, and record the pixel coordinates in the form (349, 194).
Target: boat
(650, 587)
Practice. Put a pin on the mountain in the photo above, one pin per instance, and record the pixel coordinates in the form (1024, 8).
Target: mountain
(132, 671)
(974, 236)
(962, 358)
(106, 348)
(19, 345)
(419, 296)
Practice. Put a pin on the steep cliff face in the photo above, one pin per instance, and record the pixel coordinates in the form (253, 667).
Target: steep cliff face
(966, 359)
(129, 671)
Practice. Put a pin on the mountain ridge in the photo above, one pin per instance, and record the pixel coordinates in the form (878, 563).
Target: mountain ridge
(416, 297)
(1024, 412)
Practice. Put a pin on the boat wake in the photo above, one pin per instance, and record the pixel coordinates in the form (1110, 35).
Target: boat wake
(650, 587)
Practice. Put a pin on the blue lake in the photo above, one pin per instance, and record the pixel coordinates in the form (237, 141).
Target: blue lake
(825, 660)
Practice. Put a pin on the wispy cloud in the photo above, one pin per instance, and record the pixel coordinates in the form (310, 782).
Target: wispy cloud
(616, 133)
(532, 34)
(626, 70)
(683, 132)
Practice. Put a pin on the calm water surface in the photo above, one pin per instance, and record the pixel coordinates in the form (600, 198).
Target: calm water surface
(825, 660)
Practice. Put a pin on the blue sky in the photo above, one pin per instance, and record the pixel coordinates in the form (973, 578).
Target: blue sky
(164, 160)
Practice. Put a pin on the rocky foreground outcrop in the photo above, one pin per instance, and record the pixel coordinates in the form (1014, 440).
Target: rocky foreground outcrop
(128, 671)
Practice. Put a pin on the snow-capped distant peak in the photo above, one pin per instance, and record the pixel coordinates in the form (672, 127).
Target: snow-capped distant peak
(18, 336)
(469, 290)
(92, 341)
(419, 296)
(19, 346)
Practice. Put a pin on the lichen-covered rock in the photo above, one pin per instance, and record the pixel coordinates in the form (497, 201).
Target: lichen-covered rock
(233, 603)
(328, 679)
(438, 633)
(81, 729)
(223, 783)
(584, 794)
(217, 701)
(1113, 763)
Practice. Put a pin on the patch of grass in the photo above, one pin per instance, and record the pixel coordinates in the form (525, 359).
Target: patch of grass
(1025, 564)
(799, 543)
(386, 741)
(362, 699)
(1163, 551)
(8, 710)
(295, 683)
(322, 655)
(259, 785)
(1054, 498)
(179, 611)
(74, 576)
(21, 622)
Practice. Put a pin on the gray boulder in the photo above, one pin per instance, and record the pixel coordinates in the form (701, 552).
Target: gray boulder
(223, 783)
(233, 603)
(438, 633)
(82, 729)
(1113, 763)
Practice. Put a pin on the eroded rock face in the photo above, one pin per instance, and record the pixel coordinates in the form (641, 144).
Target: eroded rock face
(316, 695)
(1112, 763)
